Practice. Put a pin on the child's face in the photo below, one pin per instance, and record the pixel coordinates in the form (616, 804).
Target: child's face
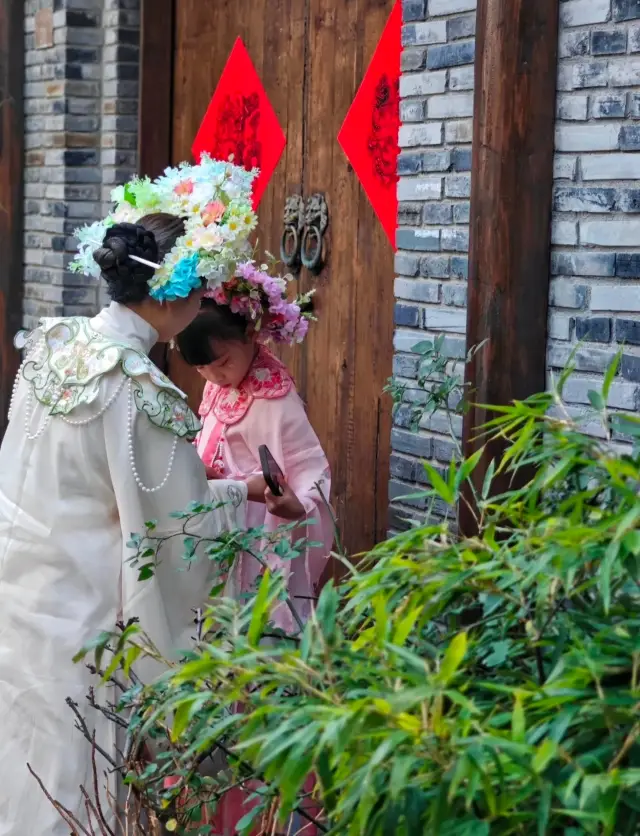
(232, 363)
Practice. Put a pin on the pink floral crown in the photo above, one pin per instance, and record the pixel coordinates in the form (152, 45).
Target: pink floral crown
(261, 298)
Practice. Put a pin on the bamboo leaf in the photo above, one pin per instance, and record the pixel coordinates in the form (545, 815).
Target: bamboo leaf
(488, 479)
(596, 400)
(405, 626)
(439, 485)
(518, 721)
(453, 658)
(612, 371)
(544, 809)
(260, 610)
(181, 719)
(544, 755)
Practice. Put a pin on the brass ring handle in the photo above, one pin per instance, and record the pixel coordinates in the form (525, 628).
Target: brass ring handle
(290, 255)
(313, 245)
(312, 258)
(292, 222)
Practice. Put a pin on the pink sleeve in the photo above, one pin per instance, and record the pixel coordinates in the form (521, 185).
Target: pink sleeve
(283, 426)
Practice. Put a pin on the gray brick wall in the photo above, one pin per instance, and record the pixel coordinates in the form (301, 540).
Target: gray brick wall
(595, 263)
(431, 264)
(595, 290)
(80, 124)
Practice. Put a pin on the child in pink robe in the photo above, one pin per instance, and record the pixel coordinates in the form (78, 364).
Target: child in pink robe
(250, 399)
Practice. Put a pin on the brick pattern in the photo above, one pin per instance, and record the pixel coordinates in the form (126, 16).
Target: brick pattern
(120, 92)
(436, 111)
(76, 95)
(595, 290)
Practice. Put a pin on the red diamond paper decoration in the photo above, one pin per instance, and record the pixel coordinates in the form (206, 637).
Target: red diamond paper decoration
(369, 135)
(240, 121)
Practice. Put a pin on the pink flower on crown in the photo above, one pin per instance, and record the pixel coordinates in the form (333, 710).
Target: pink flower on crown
(259, 297)
(184, 188)
(239, 305)
(246, 271)
(301, 330)
(213, 212)
(271, 288)
(218, 295)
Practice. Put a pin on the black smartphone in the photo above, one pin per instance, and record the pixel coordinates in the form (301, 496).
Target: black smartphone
(270, 470)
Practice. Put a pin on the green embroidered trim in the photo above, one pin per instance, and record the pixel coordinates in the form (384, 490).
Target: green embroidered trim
(67, 359)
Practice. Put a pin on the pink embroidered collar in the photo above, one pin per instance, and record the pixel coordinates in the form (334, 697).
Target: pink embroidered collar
(268, 378)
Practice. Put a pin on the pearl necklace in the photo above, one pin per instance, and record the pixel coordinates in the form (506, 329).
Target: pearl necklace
(57, 392)
(14, 391)
(37, 354)
(132, 458)
(84, 421)
(28, 408)
(28, 414)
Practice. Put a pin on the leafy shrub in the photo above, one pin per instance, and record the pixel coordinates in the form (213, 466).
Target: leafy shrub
(451, 685)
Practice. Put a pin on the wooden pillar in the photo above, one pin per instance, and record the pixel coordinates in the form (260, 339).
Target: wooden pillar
(156, 86)
(156, 102)
(511, 197)
(11, 191)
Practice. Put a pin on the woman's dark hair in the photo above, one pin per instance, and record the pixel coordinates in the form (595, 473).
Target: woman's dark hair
(152, 238)
(214, 322)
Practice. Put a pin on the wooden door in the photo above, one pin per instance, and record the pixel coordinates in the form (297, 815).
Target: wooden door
(311, 56)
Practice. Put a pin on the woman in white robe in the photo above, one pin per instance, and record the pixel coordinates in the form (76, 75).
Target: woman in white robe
(98, 443)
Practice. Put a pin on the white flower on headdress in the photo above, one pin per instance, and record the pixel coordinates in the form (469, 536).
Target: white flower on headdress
(231, 189)
(207, 237)
(117, 195)
(126, 214)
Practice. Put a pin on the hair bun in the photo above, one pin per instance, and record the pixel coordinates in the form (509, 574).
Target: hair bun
(120, 243)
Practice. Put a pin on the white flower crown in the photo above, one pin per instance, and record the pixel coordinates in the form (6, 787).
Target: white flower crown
(213, 196)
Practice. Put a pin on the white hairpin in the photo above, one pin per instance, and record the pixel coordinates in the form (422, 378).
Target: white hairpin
(145, 262)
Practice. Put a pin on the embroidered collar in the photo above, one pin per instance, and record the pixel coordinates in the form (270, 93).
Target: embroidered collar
(66, 360)
(268, 379)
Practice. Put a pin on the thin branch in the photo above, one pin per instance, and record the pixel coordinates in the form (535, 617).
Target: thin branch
(113, 805)
(628, 743)
(64, 814)
(113, 679)
(96, 789)
(82, 727)
(288, 600)
(92, 811)
(334, 520)
(87, 807)
(111, 715)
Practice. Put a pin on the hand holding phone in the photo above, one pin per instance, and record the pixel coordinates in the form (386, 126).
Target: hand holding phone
(273, 475)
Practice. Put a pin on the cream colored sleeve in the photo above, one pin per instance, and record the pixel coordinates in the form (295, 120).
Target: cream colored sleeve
(154, 475)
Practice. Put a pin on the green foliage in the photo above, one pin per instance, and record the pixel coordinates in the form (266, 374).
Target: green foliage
(457, 686)
(438, 386)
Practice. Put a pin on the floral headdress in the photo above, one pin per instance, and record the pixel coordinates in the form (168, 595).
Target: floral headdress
(261, 298)
(215, 199)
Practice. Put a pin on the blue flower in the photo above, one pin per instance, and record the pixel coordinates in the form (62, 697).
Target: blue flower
(184, 279)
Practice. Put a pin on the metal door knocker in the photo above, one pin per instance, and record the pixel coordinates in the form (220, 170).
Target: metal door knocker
(293, 220)
(316, 220)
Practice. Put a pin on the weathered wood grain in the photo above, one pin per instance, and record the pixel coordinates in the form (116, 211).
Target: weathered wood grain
(511, 195)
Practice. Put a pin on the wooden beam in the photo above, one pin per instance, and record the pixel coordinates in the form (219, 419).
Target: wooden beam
(511, 195)
(155, 116)
(156, 87)
(11, 191)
